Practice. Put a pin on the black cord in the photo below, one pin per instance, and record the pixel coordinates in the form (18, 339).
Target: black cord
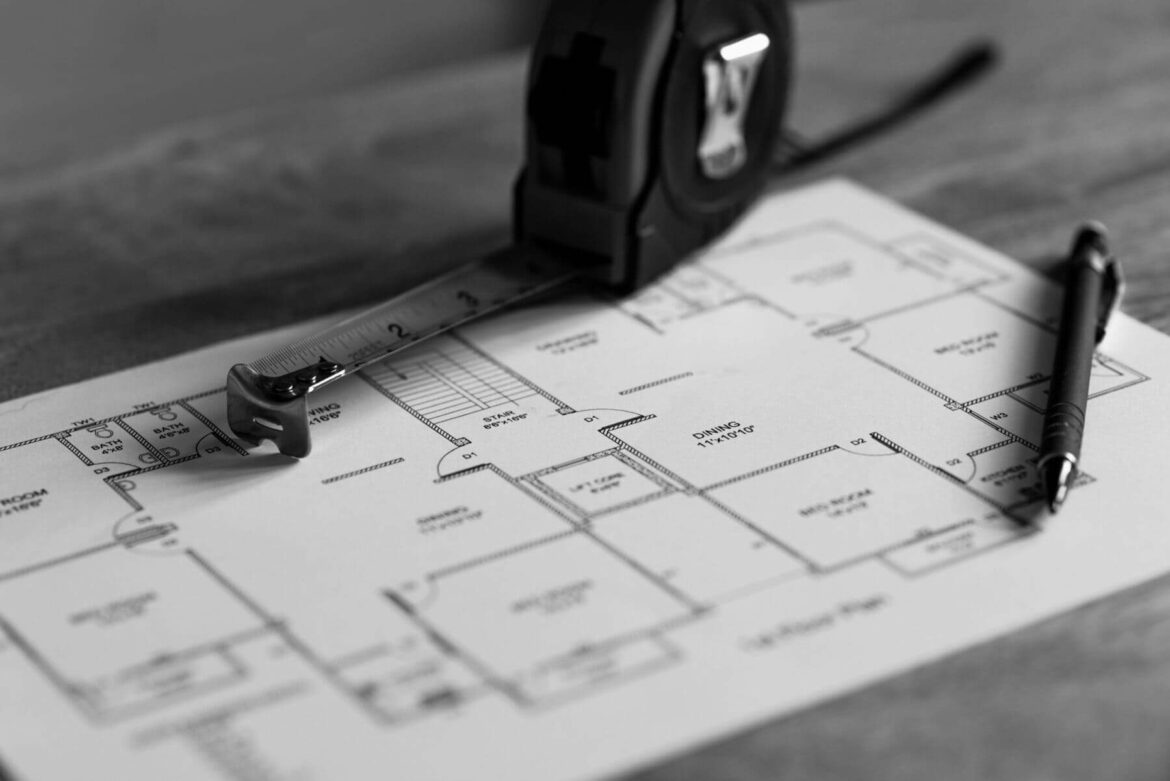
(968, 64)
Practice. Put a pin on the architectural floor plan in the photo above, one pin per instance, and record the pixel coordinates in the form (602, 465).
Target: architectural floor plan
(573, 538)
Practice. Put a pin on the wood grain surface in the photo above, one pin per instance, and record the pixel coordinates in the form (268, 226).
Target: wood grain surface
(217, 229)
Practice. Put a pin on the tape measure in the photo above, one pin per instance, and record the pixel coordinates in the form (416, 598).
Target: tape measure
(650, 128)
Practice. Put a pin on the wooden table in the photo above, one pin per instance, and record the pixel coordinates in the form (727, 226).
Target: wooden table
(221, 228)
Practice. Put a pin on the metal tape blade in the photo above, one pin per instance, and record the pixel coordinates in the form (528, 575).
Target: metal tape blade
(266, 398)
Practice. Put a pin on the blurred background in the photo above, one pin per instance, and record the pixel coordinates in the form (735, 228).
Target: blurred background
(77, 76)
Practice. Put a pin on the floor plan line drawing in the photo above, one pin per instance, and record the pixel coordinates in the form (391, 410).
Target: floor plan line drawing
(31, 568)
(993, 446)
(368, 376)
(161, 456)
(610, 433)
(583, 527)
(30, 652)
(1011, 436)
(942, 473)
(448, 647)
(512, 376)
(779, 544)
(363, 471)
(599, 490)
(577, 517)
(467, 401)
(655, 383)
(189, 728)
(769, 468)
(146, 683)
(997, 394)
(488, 558)
(226, 440)
(926, 251)
(274, 624)
(73, 448)
(939, 299)
(516, 693)
(1044, 324)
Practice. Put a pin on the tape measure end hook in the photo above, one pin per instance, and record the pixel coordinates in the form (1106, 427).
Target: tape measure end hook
(254, 416)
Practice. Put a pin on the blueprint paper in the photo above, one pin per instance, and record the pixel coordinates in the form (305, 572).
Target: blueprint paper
(575, 538)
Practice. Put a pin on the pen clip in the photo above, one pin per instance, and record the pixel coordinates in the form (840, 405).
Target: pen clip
(1112, 288)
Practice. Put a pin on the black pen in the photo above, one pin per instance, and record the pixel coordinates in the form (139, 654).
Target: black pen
(1093, 288)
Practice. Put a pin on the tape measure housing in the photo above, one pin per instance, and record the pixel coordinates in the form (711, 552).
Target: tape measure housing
(616, 107)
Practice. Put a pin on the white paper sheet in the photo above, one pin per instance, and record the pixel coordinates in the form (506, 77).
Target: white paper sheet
(577, 537)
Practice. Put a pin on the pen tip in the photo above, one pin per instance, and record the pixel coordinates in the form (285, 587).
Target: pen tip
(1056, 475)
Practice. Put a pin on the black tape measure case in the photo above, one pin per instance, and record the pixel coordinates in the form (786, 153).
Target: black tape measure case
(650, 127)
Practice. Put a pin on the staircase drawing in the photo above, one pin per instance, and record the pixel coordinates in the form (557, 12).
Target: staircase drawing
(448, 381)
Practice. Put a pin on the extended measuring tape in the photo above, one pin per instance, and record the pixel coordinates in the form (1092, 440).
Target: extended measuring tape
(650, 127)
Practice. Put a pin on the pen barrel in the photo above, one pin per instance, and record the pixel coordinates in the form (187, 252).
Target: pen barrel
(1064, 425)
(1064, 420)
